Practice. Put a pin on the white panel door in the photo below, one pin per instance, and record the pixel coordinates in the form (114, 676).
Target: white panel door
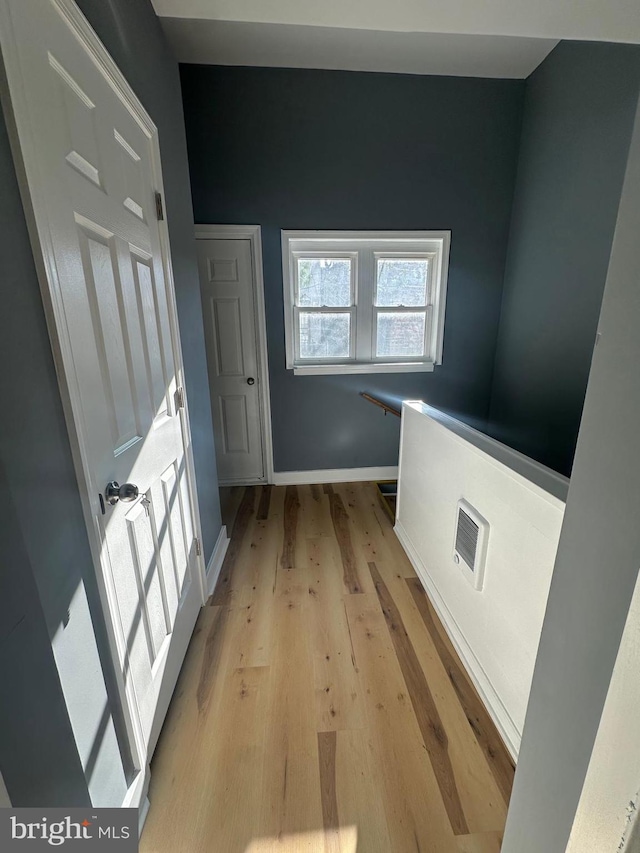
(228, 304)
(92, 162)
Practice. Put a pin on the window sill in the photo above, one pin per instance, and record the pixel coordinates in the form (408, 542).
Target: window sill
(390, 367)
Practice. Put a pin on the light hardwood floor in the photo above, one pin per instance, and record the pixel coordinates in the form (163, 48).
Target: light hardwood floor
(321, 706)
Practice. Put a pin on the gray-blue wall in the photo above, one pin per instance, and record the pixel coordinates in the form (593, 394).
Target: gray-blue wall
(595, 573)
(44, 542)
(329, 149)
(578, 118)
(38, 755)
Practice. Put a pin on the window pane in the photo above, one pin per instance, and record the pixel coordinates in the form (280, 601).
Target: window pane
(324, 335)
(401, 334)
(324, 282)
(402, 281)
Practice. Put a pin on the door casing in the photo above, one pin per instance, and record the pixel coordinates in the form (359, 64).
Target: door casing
(253, 234)
(17, 114)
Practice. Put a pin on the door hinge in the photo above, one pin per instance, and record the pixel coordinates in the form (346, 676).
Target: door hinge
(180, 398)
(198, 547)
(159, 206)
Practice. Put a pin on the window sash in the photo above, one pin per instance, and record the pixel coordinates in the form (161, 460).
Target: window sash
(426, 343)
(328, 255)
(297, 310)
(406, 256)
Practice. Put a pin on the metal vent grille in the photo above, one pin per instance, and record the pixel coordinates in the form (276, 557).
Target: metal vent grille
(467, 538)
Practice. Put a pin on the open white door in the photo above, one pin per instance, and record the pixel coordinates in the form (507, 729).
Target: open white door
(91, 159)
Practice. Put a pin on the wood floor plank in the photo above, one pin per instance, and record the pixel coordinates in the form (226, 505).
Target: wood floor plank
(482, 801)
(369, 499)
(348, 492)
(258, 556)
(484, 842)
(339, 702)
(315, 514)
(291, 799)
(262, 554)
(206, 657)
(327, 745)
(414, 809)
(212, 654)
(260, 562)
(290, 527)
(253, 590)
(177, 767)
(495, 752)
(263, 506)
(375, 529)
(358, 795)
(250, 633)
(342, 530)
(223, 591)
(229, 814)
(316, 491)
(433, 731)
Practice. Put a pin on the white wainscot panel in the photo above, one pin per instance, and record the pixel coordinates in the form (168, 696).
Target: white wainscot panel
(496, 630)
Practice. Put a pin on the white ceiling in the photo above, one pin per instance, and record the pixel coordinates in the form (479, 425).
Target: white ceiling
(600, 20)
(492, 38)
(290, 46)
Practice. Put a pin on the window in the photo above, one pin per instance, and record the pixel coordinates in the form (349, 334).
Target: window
(364, 302)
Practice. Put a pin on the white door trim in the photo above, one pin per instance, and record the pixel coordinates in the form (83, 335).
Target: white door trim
(252, 233)
(18, 120)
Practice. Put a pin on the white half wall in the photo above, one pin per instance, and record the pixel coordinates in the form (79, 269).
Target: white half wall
(495, 630)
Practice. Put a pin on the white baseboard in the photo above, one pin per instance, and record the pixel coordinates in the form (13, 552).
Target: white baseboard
(248, 481)
(217, 559)
(334, 475)
(136, 795)
(143, 811)
(494, 705)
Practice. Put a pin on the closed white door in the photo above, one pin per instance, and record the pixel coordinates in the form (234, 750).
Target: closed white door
(230, 321)
(92, 162)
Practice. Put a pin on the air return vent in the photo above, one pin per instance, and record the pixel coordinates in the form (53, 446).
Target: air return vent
(470, 546)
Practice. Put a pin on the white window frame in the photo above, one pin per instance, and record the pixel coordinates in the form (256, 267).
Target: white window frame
(364, 248)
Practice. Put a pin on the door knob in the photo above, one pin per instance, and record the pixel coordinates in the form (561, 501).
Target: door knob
(251, 381)
(115, 492)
